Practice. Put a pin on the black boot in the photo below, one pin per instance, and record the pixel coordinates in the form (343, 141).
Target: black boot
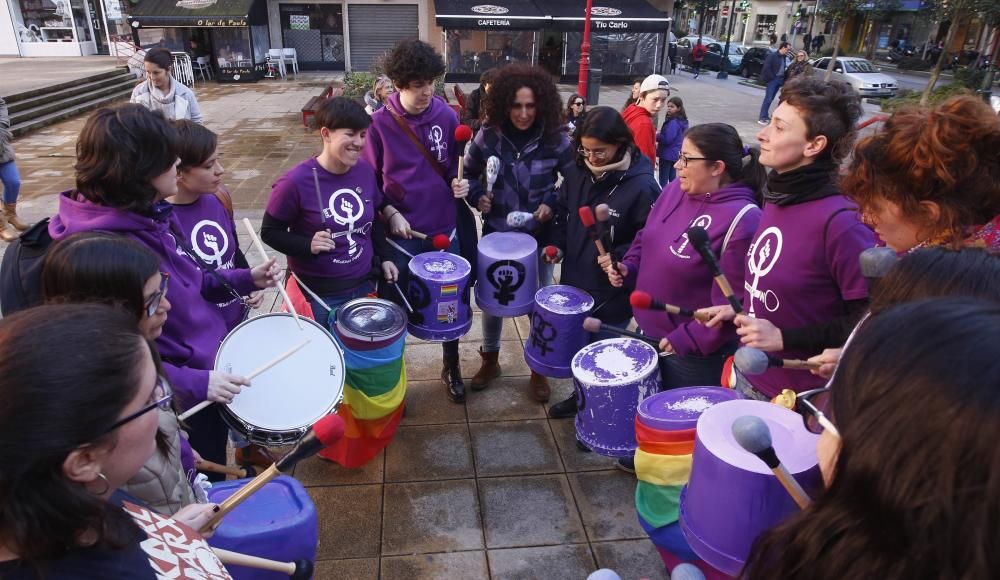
(451, 375)
(564, 409)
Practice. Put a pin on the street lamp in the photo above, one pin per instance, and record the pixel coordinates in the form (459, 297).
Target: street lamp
(581, 85)
(724, 63)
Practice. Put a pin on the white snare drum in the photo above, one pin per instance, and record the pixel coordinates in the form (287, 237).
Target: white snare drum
(284, 401)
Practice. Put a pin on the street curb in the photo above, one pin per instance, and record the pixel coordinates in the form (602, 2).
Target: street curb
(753, 85)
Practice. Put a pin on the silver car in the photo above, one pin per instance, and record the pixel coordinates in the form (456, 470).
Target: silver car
(862, 74)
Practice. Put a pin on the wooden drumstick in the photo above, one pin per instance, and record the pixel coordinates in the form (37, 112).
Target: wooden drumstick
(250, 376)
(297, 569)
(263, 254)
(238, 473)
(418, 235)
(241, 494)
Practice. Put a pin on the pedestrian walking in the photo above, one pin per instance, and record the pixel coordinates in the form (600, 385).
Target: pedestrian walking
(11, 180)
(773, 75)
(697, 57)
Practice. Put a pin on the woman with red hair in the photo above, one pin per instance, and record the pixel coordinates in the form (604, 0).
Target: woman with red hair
(931, 177)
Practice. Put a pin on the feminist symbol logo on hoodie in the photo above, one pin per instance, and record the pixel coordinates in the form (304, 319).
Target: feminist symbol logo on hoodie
(437, 135)
(210, 241)
(761, 258)
(702, 221)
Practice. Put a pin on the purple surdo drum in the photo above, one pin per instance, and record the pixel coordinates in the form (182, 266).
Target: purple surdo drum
(507, 273)
(439, 295)
(612, 377)
(732, 495)
(557, 332)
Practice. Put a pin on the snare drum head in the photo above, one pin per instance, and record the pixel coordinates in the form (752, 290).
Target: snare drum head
(440, 267)
(296, 392)
(614, 362)
(562, 299)
(370, 319)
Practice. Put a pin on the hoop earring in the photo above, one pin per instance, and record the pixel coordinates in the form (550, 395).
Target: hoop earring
(107, 484)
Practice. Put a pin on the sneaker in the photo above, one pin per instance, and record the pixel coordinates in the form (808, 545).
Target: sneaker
(763, 122)
(626, 464)
(564, 409)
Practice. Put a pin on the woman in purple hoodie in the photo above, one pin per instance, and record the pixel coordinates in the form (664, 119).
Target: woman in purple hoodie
(411, 144)
(126, 168)
(718, 187)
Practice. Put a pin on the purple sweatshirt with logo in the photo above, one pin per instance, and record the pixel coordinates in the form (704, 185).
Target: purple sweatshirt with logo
(348, 211)
(800, 270)
(212, 234)
(195, 327)
(663, 263)
(404, 175)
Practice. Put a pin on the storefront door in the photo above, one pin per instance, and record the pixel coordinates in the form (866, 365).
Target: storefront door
(97, 22)
(316, 32)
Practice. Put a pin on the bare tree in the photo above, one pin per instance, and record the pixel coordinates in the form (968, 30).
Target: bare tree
(837, 11)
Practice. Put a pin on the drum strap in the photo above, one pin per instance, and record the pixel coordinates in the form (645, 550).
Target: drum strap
(203, 266)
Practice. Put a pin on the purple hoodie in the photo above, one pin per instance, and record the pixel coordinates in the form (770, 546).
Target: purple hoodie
(195, 327)
(663, 263)
(404, 175)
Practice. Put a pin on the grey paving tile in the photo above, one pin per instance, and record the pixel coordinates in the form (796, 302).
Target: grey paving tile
(427, 452)
(506, 399)
(529, 511)
(607, 504)
(572, 562)
(573, 458)
(355, 569)
(438, 516)
(514, 448)
(427, 403)
(315, 471)
(350, 523)
(631, 559)
(464, 565)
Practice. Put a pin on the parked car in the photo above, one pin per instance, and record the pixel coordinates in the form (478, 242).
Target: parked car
(684, 46)
(713, 58)
(753, 61)
(862, 74)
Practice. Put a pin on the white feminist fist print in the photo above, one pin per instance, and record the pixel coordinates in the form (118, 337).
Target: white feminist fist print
(346, 209)
(702, 221)
(437, 135)
(210, 241)
(762, 257)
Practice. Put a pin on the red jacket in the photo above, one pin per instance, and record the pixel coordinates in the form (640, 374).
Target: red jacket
(640, 122)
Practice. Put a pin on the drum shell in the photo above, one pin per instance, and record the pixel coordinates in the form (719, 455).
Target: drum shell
(732, 496)
(433, 295)
(356, 339)
(557, 333)
(606, 407)
(278, 522)
(512, 253)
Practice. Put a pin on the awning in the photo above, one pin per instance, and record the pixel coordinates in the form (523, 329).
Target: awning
(190, 13)
(477, 15)
(626, 16)
(901, 6)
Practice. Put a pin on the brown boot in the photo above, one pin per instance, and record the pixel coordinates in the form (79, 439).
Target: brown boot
(489, 370)
(10, 212)
(5, 234)
(539, 387)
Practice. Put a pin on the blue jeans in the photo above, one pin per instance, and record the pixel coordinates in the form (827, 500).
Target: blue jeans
(493, 325)
(11, 181)
(667, 171)
(772, 91)
(325, 317)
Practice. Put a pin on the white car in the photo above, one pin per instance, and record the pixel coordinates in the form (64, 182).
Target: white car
(862, 74)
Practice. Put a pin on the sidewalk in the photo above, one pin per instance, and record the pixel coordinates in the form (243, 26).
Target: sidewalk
(24, 74)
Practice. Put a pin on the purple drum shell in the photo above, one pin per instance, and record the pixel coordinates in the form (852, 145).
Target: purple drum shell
(732, 496)
(557, 332)
(438, 292)
(507, 273)
(611, 378)
(679, 409)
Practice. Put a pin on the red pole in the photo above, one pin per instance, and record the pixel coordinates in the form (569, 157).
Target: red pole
(581, 85)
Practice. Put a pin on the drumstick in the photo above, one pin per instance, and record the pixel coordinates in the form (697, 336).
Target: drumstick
(402, 295)
(463, 134)
(297, 569)
(238, 473)
(752, 361)
(753, 435)
(263, 254)
(587, 217)
(253, 374)
(241, 494)
(311, 293)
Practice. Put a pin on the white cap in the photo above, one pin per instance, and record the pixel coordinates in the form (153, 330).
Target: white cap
(654, 82)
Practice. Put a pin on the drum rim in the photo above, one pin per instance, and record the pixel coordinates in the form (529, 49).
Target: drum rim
(374, 337)
(464, 275)
(331, 408)
(641, 375)
(489, 247)
(557, 287)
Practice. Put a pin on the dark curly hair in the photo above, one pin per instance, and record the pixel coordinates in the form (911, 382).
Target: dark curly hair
(413, 60)
(830, 108)
(946, 155)
(514, 77)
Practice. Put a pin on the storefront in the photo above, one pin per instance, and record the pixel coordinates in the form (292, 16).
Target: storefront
(477, 37)
(58, 27)
(233, 33)
(626, 41)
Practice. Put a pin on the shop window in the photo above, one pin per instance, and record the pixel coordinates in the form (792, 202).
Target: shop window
(172, 39)
(43, 20)
(232, 47)
(629, 55)
(766, 25)
(316, 32)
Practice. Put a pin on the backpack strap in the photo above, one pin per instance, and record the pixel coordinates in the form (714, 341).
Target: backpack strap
(732, 226)
(226, 199)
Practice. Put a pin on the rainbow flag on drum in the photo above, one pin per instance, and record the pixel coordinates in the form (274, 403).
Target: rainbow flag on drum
(372, 333)
(665, 431)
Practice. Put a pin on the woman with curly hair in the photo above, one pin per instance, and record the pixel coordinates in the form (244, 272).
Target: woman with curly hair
(908, 454)
(931, 177)
(804, 291)
(523, 129)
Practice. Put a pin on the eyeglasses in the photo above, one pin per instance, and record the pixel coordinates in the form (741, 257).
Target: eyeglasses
(160, 399)
(152, 304)
(596, 154)
(684, 159)
(810, 405)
